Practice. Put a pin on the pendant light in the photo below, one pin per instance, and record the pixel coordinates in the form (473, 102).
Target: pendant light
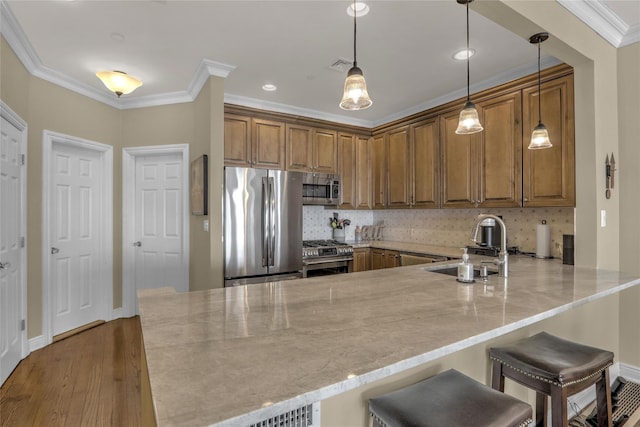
(540, 135)
(469, 122)
(119, 82)
(355, 96)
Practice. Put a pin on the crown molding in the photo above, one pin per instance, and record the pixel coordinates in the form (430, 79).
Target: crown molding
(293, 110)
(603, 21)
(15, 36)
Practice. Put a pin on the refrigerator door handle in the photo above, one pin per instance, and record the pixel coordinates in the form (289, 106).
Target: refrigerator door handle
(272, 237)
(266, 198)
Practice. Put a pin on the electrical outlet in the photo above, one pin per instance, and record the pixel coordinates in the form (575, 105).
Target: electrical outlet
(603, 218)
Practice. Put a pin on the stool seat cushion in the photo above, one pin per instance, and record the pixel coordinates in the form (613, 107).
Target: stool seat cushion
(449, 399)
(552, 359)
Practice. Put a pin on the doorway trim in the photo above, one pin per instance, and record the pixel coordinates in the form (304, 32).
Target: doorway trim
(128, 206)
(105, 228)
(12, 117)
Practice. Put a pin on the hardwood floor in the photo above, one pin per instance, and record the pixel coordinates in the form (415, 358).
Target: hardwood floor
(89, 379)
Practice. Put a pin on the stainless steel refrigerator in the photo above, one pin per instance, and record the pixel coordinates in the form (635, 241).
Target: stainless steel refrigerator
(262, 225)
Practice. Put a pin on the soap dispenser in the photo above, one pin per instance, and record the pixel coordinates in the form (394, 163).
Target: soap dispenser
(465, 269)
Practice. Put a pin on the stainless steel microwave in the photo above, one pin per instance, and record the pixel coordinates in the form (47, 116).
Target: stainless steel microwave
(320, 189)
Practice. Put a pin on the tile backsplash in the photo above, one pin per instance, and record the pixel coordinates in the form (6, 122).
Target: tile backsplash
(446, 227)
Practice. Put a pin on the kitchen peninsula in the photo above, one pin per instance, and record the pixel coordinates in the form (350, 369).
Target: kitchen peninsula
(236, 356)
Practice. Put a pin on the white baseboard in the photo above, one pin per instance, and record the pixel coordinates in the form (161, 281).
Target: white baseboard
(629, 372)
(117, 313)
(37, 343)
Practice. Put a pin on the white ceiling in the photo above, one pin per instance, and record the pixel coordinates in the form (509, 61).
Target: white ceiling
(404, 49)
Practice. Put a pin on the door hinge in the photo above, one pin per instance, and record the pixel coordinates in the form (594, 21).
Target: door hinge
(23, 325)
(22, 242)
(22, 159)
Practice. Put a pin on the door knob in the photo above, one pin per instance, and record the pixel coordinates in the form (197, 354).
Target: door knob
(4, 265)
(54, 251)
(138, 243)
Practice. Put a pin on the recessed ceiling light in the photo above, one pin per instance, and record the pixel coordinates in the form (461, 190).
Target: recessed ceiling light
(269, 87)
(461, 55)
(361, 9)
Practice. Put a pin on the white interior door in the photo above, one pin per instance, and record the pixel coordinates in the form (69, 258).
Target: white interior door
(11, 246)
(75, 237)
(159, 222)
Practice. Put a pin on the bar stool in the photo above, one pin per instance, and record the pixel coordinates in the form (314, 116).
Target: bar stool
(449, 399)
(558, 368)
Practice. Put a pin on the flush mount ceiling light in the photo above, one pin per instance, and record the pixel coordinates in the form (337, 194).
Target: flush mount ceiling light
(469, 122)
(540, 135)
(119, 82)
(355, 96)
(269, 87)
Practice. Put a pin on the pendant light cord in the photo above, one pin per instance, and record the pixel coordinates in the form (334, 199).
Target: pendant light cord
(539, 96)
(468, 79)
(355, 62)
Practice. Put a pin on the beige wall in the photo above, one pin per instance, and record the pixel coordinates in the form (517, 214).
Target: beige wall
(628, 191)
(206, 248)
(45, 106)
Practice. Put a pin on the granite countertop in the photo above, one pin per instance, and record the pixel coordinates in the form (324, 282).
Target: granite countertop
(235, 356)
(418, 248)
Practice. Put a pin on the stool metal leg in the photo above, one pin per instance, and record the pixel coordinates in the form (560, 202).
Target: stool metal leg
(603, 400)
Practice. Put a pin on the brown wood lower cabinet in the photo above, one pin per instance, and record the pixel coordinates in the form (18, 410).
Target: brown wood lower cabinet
(384, 258)
(361, 260)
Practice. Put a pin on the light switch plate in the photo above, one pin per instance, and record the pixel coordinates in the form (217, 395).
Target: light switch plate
(205, 224)
(603, 218)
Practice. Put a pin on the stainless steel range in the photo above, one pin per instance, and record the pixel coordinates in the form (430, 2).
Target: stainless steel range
(323, 257)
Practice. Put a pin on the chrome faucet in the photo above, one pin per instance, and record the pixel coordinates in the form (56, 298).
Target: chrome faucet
(503, 256)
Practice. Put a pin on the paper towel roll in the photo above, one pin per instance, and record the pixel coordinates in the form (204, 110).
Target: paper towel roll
(543, 240)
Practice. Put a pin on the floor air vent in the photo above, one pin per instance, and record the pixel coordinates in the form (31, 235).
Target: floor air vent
(303, 416)
(625, 396)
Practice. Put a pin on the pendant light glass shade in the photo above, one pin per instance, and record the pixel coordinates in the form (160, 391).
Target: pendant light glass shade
(540, 135)
(355, 96)
(469, 121)
(119, 82)
(540, 138)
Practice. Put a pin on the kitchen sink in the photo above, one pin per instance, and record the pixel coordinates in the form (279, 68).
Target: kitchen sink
(453, 271)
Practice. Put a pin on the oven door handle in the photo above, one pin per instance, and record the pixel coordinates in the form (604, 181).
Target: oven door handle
(320, 260)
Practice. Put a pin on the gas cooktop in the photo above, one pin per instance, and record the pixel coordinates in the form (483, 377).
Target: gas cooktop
(322, 243)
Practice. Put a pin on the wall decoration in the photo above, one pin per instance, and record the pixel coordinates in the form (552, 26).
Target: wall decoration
(199, 187)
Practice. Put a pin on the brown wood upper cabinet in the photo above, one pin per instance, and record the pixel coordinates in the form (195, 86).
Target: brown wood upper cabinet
(424, 183)
(378, 171)
(483, 169)
(413, 165)
(311, 150)
(353, 167)
(549, 174)
(253, 142)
